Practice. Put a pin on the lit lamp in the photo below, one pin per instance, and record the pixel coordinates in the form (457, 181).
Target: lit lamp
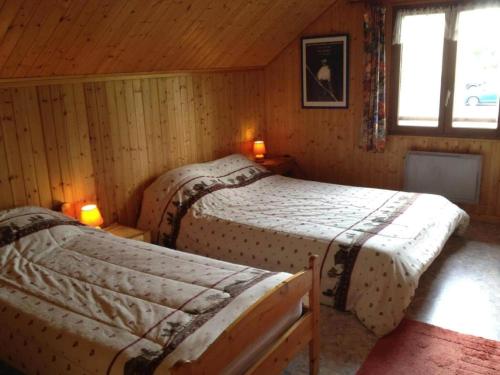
(259, 150)
(90, 215)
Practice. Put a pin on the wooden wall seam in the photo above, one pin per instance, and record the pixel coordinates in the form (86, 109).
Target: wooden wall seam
(91, 78)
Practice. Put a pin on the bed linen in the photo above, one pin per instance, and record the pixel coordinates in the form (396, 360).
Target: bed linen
(374, 244)
(78, 300)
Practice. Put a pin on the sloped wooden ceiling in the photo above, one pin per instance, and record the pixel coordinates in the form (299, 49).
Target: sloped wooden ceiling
(80, 37)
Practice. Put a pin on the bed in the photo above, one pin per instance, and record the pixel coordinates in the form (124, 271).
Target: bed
(75, 299)
(373, 244)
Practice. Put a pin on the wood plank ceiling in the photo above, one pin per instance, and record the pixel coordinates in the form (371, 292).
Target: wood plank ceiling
(40, 38)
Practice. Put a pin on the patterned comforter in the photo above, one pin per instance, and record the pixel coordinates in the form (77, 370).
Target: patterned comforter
(77, 300)
(374, 244)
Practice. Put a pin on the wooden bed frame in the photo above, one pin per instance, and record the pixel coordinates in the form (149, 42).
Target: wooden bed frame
(260, 318)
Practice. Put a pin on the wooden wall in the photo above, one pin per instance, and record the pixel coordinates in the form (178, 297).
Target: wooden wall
(104, 141)
(44, 147)
(325, 141)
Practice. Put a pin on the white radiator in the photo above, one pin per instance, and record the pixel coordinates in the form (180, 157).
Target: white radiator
(454, 176)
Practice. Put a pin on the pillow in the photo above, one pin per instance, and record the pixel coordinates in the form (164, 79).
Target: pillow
(21, 221)
(167, 199)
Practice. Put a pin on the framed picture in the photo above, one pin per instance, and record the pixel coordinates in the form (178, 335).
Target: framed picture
(325, 71)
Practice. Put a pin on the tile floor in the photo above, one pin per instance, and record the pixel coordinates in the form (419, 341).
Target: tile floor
(460, 291)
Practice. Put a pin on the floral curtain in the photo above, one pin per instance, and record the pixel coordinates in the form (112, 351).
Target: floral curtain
(374, 117)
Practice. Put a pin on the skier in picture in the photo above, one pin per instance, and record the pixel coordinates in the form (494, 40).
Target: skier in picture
(325, 75)
(324, 79)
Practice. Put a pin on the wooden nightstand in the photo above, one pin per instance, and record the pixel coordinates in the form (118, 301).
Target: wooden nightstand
(283, 165)
(128, 232)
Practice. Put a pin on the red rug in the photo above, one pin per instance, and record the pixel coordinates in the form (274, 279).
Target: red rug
(416, 348)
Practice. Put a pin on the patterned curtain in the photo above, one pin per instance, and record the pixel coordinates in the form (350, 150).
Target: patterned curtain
(374, 118)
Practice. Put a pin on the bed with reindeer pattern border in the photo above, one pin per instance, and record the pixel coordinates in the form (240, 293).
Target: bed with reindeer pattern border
(75, 299)
(373, 244)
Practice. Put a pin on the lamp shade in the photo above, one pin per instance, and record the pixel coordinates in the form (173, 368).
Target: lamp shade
(90, 215)
(259, 149)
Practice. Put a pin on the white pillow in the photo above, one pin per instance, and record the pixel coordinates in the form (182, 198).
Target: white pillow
(175, 191)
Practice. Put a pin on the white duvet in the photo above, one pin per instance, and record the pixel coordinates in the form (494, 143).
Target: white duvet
(78, 300)
(374, 244)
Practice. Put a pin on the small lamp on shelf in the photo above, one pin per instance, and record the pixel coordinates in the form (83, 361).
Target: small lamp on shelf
(259, 150)
(91, 216)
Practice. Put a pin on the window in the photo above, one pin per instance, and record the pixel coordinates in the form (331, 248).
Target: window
(446, 71)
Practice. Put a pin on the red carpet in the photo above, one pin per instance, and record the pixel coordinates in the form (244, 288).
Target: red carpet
(416, 348)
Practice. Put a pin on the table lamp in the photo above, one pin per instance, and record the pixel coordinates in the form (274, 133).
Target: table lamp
(259, 150)
(90, 215)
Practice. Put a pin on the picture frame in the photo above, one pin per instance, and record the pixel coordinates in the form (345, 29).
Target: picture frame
(325, 71)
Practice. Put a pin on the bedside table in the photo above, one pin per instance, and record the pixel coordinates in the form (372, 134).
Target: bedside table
(128, 232)
(283, 165)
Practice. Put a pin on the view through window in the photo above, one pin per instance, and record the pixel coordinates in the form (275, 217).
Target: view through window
(448, 70)
(422, 38)
(477, 74)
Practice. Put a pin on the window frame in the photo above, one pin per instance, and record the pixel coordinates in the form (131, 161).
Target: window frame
(444, 128)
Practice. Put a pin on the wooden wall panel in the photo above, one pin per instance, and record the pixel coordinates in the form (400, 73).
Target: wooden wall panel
(140, 128)
(325, 141)
(83, 37)
(45, 148)
(105, 141)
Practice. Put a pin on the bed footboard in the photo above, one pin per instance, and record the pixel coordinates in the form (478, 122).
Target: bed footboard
(257, 320)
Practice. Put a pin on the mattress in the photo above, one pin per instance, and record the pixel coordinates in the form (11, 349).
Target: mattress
(79, 300)
(374, 244)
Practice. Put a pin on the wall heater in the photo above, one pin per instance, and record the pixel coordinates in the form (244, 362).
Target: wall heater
(454, 176)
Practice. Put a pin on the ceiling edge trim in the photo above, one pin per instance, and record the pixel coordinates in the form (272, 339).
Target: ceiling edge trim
(68, 79)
